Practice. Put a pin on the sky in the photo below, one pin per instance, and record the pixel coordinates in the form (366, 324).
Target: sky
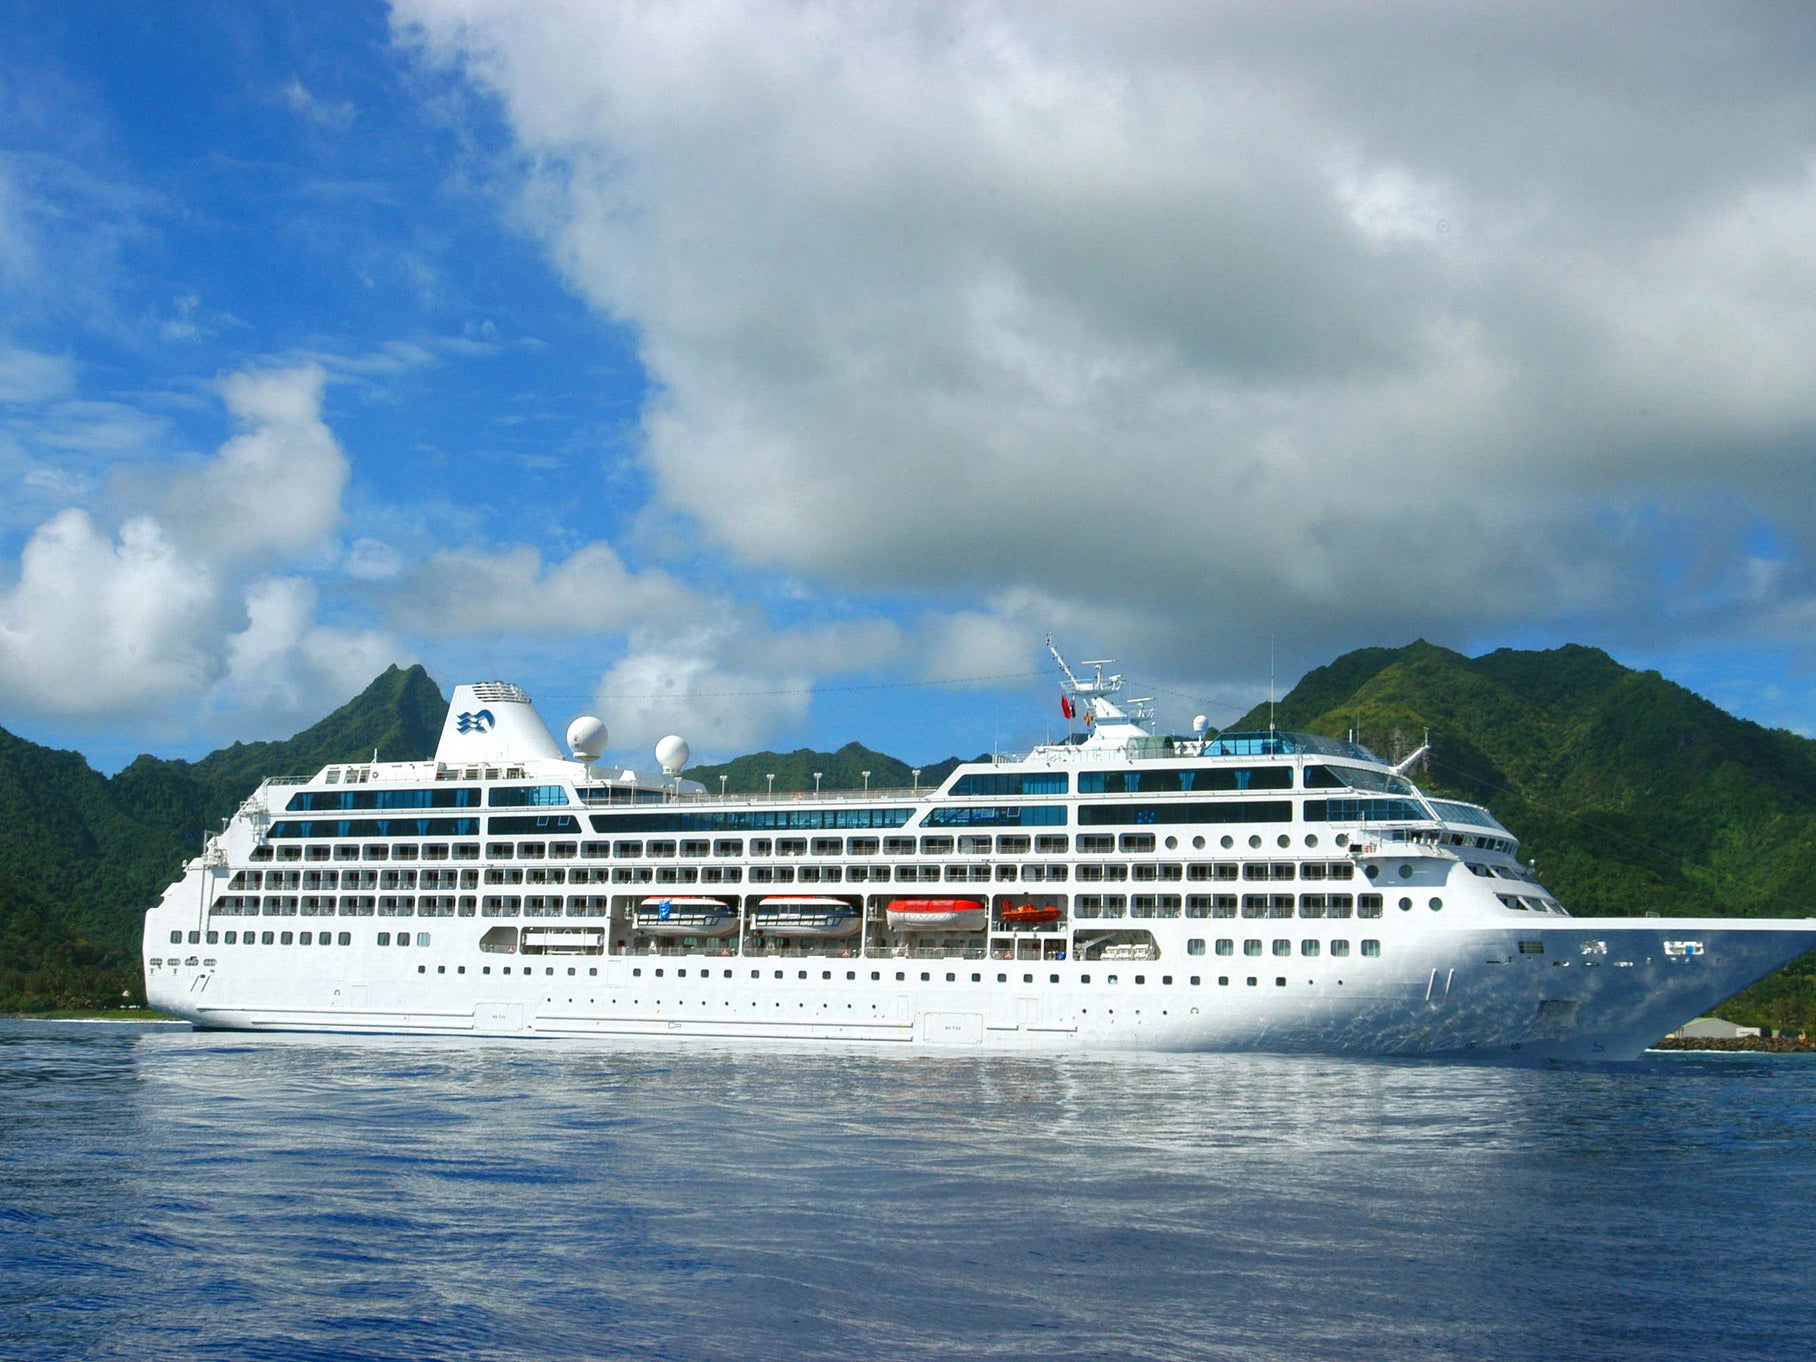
(781, 374)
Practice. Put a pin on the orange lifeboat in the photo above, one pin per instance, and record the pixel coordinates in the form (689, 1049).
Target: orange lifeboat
(1029, 914)
(938, 915)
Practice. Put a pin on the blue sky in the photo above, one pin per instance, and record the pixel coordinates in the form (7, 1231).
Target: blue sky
(779, 374)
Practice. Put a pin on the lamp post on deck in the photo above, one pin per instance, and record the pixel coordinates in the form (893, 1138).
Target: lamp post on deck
(866, 782)
(917, 780)
(771, 778)
(816, 782)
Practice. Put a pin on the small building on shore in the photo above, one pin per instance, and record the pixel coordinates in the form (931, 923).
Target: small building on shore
(1712, 1028)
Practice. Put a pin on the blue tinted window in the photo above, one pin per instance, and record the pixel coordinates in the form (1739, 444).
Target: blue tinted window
(1010, 783)
(752, 820)
(1365, 811)
(518, 796)
(999, 816)
(534, 822)
(329, 801)
(1222, 811)
(376, 827)
(1165, 780)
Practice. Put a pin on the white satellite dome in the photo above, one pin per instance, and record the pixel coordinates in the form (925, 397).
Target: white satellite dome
(672, 754)
(586, 738)
(1199, 724)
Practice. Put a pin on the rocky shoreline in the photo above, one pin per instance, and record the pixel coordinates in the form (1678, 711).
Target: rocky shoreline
(1770, 1045)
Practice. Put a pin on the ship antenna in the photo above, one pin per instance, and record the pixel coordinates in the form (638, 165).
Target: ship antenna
(1071, 680)
(1270, 685)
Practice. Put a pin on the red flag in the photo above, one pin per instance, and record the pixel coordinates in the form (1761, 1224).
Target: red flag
(1066, 707)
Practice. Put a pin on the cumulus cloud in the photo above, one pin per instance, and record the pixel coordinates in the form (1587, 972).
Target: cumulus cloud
(470, 591)
(285, 662)
(1375, 323)
(731, 685)
(177, 604)
(100, 623)
(275, 487)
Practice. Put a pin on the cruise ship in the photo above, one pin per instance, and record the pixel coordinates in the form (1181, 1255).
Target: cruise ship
(1121, 889)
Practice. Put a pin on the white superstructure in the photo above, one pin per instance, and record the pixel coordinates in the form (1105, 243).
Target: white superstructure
(1249, 891)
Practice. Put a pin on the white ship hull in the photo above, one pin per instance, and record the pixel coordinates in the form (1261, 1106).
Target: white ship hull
(1255, 892)
(1463, 993)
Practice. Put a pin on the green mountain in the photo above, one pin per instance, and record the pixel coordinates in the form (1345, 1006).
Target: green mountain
(83, 855)
(1633, 794)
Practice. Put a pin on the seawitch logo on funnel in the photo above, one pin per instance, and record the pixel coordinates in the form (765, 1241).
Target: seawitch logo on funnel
(475, 723)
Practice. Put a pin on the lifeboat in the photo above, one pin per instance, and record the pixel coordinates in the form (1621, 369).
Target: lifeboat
(938, 915)
(1029, 914)
(658, 916)
(804, 915)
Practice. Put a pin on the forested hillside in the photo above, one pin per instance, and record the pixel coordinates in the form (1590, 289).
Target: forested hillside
(82, 856)
(1633, 794)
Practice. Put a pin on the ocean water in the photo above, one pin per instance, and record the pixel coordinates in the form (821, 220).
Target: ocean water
(171, 1194)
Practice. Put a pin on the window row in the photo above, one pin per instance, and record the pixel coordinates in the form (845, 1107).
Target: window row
(698, 849)
(1282, 947)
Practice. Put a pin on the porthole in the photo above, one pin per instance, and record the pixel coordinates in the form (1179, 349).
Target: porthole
(1405, 905)
(1172, 843)
(1372, 871)
(1227, 842)
(1406, 872)
(1311, 839)
(1436, 904)
(1283, 840)
(1255, 839)
(1343, 839)
(1198, 844)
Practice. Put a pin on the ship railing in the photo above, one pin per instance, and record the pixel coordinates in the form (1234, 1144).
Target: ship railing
(627, 798)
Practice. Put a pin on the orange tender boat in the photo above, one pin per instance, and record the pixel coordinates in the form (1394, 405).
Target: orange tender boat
(932, 915)
(1029, 914)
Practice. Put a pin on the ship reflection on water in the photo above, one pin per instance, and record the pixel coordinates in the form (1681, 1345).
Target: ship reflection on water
(376, 1196)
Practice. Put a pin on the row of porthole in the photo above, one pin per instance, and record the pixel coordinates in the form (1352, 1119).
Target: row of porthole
(1227, 842)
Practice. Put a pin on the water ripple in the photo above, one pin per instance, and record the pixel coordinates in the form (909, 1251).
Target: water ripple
(165, 1193)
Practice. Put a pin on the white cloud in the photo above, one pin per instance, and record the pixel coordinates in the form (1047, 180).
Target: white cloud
(176, 613)
(274, 488)
(333, 114)
(470, 591)
(30, 376)
(284, 662)
(372, 560)
(731, 685)
(1366, 323)
(101, 624)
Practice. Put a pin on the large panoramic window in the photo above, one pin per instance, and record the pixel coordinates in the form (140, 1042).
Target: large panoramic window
(751, 820)
(329, 801)
(1167, 780)
(1365, 811)
(1000, 783)
(998, 816)
(520, 796)
(376, 827)
(1219, 811)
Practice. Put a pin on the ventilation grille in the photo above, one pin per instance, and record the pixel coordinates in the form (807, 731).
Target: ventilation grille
(500, 693)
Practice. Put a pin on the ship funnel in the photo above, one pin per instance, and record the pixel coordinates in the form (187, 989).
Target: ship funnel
(491, 723)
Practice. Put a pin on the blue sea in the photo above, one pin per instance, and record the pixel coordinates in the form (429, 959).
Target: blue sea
(168, 1194)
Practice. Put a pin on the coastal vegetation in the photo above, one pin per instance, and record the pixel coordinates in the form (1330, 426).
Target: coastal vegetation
(1632, 794)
